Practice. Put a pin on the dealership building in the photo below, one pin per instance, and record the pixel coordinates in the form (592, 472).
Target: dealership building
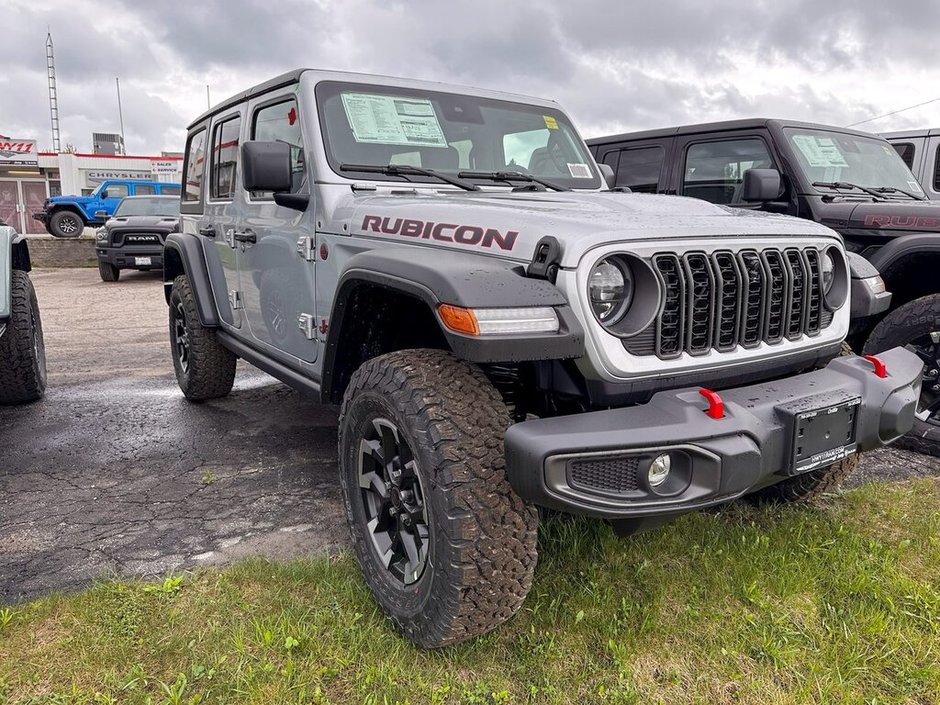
(28, 177)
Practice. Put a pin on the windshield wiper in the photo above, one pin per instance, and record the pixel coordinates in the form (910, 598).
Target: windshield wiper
(510, 176)
(408, 170)
(892, 189)
(847, 185)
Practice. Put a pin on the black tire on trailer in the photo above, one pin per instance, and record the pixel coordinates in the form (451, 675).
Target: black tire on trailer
(66, 224)
(445, 545)
(205, 369)
(22, 350)
(810, 485)
(912, 324)
(108, 272)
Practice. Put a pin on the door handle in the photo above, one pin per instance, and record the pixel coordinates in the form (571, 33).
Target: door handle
(207, 231)
(246, 236)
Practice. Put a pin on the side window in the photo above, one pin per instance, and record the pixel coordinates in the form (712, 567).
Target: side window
(906, 151)
(610, 159)
(280, 123)
(195, 166)
(145, 190)
(936, 171)
(224, 158)
(714, 171)
(117, 190)
(170, 190)
(640, 168)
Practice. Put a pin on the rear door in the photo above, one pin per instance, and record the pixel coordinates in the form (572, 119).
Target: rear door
(277, 263)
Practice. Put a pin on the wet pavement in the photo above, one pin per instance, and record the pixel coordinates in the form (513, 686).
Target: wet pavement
(115, 473)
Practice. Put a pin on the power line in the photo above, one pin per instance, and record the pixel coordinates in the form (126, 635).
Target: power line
(894, 112)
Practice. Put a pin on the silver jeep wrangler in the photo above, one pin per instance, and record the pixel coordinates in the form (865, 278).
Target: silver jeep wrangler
(505, 333)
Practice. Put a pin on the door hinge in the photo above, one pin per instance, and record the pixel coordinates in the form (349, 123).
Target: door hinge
(308, 325)
(235, 299)
(229, 237)
(305, 248)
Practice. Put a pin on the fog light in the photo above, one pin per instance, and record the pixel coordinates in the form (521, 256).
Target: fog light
(659, 470)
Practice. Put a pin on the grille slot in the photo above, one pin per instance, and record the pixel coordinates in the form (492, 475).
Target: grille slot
(611, 475)
(721, 300)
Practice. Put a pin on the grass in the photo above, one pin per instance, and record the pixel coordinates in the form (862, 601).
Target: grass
(839, 604)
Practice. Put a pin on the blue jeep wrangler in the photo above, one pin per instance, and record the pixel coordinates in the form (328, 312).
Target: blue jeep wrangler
(67, 216)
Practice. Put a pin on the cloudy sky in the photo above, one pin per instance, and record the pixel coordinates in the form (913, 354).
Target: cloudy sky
(615, 66)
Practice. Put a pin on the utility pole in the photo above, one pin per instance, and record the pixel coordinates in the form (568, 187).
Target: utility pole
(117, 82)
(53, 97)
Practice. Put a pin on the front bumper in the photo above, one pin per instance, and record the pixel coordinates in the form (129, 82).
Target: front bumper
(126, 257)
(597, 463)
(42, 217)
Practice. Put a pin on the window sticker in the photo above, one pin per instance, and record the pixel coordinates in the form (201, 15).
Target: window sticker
(550, 122)
(380, 119)
(579, 171)
(820, 151)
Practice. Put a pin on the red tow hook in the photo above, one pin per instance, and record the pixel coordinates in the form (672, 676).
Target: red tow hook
(880, 369)
(716, 407)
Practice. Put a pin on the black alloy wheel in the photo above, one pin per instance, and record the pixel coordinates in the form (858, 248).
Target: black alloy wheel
(181, 337)
(393, 501)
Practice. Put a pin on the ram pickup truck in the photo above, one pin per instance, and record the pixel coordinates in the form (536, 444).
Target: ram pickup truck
(920, 150)
(67, 216)
(502, 332)
(133, 237)
(851, 181)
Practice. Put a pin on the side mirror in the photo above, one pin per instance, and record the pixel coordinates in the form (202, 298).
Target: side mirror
(101, 215)
(607, 171)
(761, 185)
(103, 194)
(266, 166)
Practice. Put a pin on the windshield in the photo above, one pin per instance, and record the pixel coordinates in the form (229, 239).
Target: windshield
(450, 133)
(865, 161)
(141, 205)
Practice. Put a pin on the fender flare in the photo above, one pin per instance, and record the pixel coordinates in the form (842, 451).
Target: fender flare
(900, 247)
(182, 254)
(74, 207)
(471, 281)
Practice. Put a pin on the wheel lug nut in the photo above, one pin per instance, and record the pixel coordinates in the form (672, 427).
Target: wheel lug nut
(393, 511)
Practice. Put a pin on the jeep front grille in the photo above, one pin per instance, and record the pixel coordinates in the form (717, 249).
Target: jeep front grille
(724, 299)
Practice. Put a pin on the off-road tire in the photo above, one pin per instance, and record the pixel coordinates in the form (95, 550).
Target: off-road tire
(903, 325)
(108, 272)
(482, 545)
(66, 224)
(22, 351)
(209, 369)
(813, 484)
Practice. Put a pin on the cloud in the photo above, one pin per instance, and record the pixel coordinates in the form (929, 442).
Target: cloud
(614, 66)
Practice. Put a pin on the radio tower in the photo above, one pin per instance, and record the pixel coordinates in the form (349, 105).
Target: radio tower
(53, 100)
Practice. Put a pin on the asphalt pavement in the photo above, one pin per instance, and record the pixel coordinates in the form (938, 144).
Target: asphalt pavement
(115, 473)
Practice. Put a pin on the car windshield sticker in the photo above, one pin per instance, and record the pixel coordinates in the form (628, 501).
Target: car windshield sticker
(579, 171)
(381, 119)
(550, 122)
(915, 187)
(820, 151)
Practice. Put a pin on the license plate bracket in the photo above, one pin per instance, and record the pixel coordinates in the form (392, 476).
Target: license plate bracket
(822, 435)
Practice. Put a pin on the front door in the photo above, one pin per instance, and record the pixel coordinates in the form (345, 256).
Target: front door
(277, 267)
(10, 205)
(18, 201)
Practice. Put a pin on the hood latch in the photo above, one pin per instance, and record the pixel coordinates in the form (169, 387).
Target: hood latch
(546, 260)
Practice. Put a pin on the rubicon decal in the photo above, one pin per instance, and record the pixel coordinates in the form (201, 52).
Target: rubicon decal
(910, 222)
(444, 232)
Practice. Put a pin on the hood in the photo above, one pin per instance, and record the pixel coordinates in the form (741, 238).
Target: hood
(510, 224)
(923, 216)
(143, 222)
(70, 199)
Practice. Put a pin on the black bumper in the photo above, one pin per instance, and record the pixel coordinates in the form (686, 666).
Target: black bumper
(125, 257)
(598, 463)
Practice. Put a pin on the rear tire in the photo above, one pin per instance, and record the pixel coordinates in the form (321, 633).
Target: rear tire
(205, 369)
(22, 350)
(66, 224)
(108, 272)
(445, 545)
(912, 323)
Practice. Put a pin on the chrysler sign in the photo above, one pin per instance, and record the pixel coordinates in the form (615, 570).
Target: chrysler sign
(18, 152)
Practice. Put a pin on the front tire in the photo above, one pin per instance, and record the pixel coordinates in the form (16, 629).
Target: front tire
(205, 369)
(108, 272)
(66, 224)
(445, 545)
(22, 349)
(913, 324)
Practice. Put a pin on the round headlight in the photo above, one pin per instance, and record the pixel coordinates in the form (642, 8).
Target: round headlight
(828, 271)
(610, 288)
